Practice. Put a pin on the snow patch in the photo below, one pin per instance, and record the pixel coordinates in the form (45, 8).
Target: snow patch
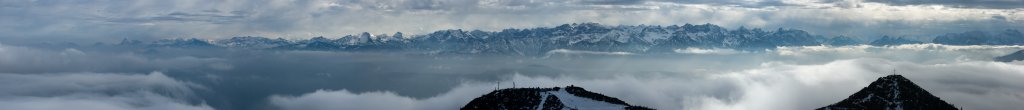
(581, 103)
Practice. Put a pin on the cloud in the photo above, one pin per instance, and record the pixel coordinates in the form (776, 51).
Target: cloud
(692, 50)
(920, 53)
(96, 91)
(798, 77)
(582, 52)
(378, 100)
(995, 4)
(21, 59)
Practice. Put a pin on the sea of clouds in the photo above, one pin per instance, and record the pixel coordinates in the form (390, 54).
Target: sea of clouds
(806, 77)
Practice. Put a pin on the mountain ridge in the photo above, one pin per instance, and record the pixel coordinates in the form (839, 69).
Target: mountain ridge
(576, 36)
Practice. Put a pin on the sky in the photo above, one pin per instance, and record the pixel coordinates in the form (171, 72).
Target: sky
(89, 21)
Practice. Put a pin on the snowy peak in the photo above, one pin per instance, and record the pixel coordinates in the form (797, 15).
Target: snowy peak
(1006, 37)
(572, 97)
(183, 43)
(893, 92)
(252, 42)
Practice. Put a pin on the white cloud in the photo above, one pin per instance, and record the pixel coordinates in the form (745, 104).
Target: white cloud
(557, 52)
(382, 100)
(921, 53)
(96, 91)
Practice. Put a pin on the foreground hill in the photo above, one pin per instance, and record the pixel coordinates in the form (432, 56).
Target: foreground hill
(893, 92)
(571, 97)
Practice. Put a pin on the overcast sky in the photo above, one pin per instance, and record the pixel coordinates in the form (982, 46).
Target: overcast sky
(110, 20)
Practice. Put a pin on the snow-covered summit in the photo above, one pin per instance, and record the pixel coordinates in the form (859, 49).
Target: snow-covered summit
(640, 39)
(893, 92)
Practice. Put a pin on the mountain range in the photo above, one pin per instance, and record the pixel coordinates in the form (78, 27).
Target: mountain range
(577, 36)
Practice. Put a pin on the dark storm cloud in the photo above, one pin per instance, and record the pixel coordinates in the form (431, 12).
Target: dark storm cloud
(992, 4)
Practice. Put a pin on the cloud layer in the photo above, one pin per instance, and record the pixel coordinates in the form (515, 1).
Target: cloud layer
(786, 78)
(774, 85)
(96, 91)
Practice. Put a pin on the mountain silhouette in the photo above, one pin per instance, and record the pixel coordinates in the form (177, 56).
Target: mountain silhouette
(893, 92)
(570, 98)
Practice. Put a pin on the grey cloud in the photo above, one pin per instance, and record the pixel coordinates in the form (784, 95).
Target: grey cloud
(612, 2)
(992, 4)
(42, 60)
(208, 17)
(998, 17)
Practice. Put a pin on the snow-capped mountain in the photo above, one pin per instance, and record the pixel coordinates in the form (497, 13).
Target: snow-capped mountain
(1006, 37)
(571, 98)
(591, 37)
(538, 41)
(183, 43)
(842, 41)
(252, 42)
(886, 40)
(893, 92)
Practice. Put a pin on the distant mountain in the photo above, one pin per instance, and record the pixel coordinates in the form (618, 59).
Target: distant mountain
(252, 42)
(1015, 56)
(535, 41)
(183, 43)
(591, 37)
(571, 97)
(842, 41)
(893, 92)
(1006, 37)
(886, 40)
